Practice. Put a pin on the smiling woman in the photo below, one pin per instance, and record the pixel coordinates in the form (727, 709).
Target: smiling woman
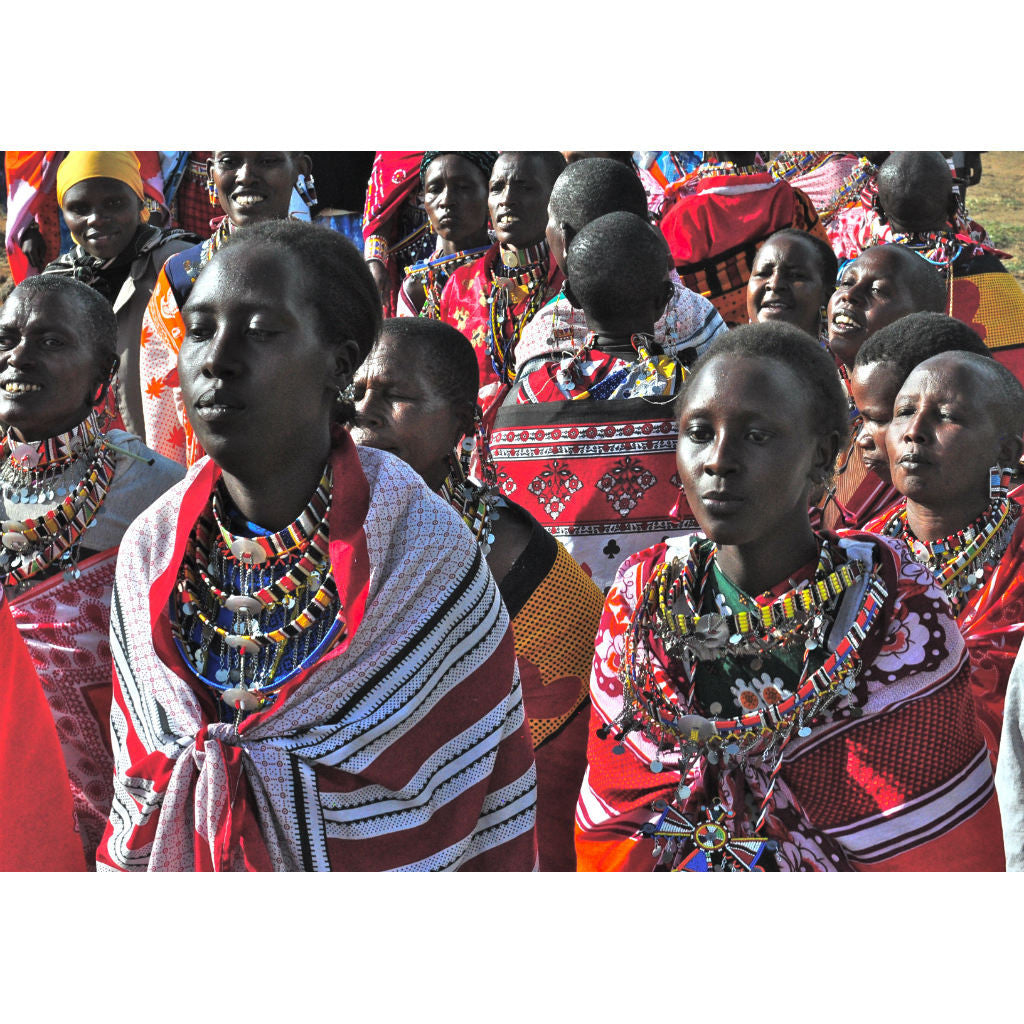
(314, 667)
(68, 490)
(780, 699)
(249, 187)
(117, 252)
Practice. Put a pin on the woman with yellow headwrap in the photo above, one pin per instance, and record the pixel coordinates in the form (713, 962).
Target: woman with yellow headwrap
(117, 252)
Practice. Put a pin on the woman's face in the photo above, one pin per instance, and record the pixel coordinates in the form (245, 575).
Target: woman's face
(102, 215)
(399, 410)
(872, 293)
(254, 186)
(48, 370)
(943, 437)
(874, 388)
(786, 284)
(518, 194)
(455, 197)
(257, 377)
(747, 451)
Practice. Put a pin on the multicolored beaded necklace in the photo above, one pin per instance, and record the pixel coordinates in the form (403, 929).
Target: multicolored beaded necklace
(662, 377)
(434, 273)
(254, 611)
(667, 718)
(475, 503)
(34, 472)
(964, 561)
(523, 270)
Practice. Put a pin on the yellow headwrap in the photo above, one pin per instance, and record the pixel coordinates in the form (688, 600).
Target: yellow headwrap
(121, 165)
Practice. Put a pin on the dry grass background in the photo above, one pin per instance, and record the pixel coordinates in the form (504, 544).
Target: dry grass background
(997, 203)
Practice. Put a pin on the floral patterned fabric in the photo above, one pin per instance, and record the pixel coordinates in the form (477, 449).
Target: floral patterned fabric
(907, 786)
(992, 623)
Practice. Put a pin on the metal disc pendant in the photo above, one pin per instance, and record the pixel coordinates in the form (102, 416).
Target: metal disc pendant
(248, 551)
(656, 766)
(222, 675)
(804, 730)
(239, 697)
(244, 604)
(15, 541)
(242, 643)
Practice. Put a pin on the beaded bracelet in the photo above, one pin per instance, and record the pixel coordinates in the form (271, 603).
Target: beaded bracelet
(375, 248)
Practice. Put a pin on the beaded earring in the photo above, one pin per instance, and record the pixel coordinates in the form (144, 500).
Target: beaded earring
(211, 191)
(999, 478)
(306, 187)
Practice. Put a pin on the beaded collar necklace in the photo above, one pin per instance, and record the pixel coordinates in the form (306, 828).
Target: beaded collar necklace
(32, 546)
(255, 611)
(435, 271)
(526, 268)
(473, 502)
(964, 561)
(661, 378)
(672, 722)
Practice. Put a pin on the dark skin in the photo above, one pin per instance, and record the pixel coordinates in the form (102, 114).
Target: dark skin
(50, 372)
(259, 376)
(873, 292)
(749, 455)
(518, 194)
(455, 197)
(786, 283)
(255, 185)
(944, 436)
(102, 215)
(33, 246)
(614, 335)
(398, 409)
(874, 389)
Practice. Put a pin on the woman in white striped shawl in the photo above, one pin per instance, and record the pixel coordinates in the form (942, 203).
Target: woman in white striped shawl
(314, 668)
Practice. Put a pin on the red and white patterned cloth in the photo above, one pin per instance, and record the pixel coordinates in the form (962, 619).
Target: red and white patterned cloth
(404, 748)
(906, 787)
(66, 627)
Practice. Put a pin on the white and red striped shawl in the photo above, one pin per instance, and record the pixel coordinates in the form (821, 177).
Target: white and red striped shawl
(405, 748)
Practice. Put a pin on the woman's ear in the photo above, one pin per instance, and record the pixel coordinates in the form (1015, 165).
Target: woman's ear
(345, 361)
(825, 457)
(1010, 450)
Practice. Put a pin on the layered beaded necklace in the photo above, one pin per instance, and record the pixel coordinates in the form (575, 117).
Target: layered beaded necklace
(964, 561)
(521, 271)
(251, 612)
(651, 375)
(475, 503)
(42, 472)
(434, 273)
(672, 718)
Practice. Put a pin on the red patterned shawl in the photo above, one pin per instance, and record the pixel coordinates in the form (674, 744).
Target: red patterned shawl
(464, 306)
(37, 822)
(992, 623)
(404, 748)
(66, 626)
(908, 786)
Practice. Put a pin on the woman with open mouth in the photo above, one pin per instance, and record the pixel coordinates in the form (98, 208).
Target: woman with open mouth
(314, 669)
(954, 444)
(792, 279)
(767, 697)
(455, 197)
(69, 487)
(249, 187)
(117, 252)
(492, 299)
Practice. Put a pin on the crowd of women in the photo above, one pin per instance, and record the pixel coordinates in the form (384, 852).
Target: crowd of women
(603, 511)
